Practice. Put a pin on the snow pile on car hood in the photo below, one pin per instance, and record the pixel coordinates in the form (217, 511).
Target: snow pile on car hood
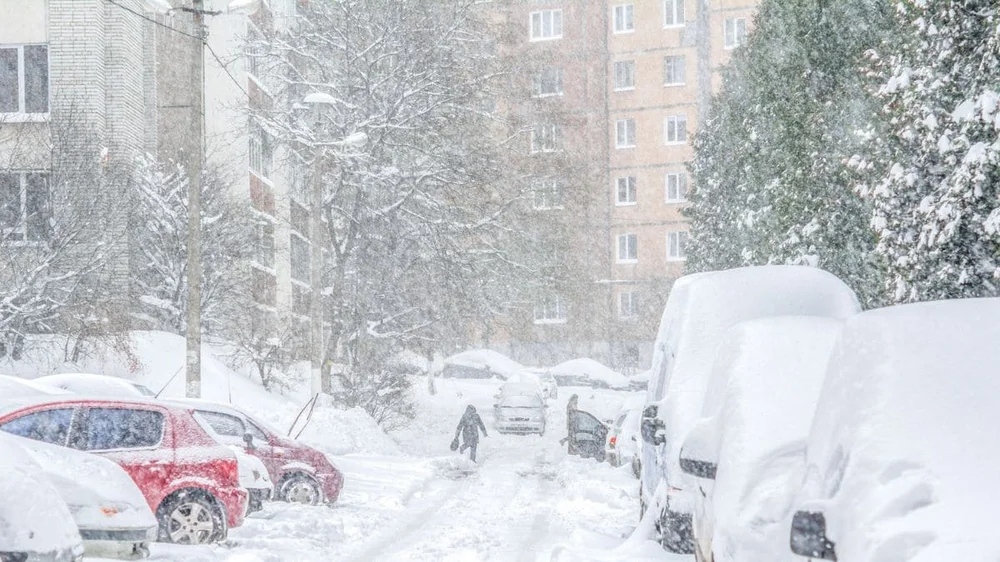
(905, 435)
(592, 370)
(719, 301)
(33, 515)
(486, 359)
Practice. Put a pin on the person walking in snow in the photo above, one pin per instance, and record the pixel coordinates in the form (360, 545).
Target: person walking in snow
(469, 427)
(571, 409)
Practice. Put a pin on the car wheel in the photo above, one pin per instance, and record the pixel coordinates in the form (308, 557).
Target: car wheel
(300, 488)
(191, 518)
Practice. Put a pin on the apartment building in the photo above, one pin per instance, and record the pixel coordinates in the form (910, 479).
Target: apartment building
(659, 60)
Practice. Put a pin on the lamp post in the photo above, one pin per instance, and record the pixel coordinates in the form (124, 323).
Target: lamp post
(317, 101)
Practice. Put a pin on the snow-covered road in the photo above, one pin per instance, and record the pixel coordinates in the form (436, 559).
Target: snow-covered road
(526, 500)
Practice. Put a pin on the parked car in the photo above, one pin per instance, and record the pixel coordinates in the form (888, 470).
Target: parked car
(624, 440)
(699, 311)
(108, 509)
(97, 385)
(520, 413)
(35, 522)
(902, 457)
(254, 478)
(750, 443)
(541, 379)
(15, 387)
(300, 473)
(587, 372)
(189, 481)
(479, 364)
(591, 435)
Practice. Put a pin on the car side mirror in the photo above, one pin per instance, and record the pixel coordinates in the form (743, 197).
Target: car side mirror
(808, 537)
(248, 439)
(653, 431)
(697, 468)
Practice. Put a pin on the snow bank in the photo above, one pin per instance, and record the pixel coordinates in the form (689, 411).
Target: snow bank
(592, 370)
(341, 432)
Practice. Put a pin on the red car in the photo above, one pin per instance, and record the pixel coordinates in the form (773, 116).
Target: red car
(300, 473)
(190, 482)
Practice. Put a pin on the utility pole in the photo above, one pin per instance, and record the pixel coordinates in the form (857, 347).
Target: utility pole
(196, 140)
(316, 271)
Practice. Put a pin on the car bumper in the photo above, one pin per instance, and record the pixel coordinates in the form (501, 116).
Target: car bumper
(256, 498)
(332, 484)
(236, 502)
(521, 427)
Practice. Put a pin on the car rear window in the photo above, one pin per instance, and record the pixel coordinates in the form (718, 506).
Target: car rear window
(48, 426)
(123, 428)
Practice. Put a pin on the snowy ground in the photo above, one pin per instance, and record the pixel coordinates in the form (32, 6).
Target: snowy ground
(407, 497)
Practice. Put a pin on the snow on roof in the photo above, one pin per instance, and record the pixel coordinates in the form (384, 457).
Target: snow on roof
(95, 385)
(486, 359)
(13, 387)
(907, 416)
(591, 369)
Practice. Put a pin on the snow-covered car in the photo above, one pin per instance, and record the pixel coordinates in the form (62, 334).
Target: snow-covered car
(35, 523)
(479, 364)
(700, 310)
(747, 450)
(97, 385)
(587, 372)
(540, 379)
(520, 413)
(254, 478)
(110, 512)
(624, 441)
(189, 481)
(15, 387)
(300, 473)
(902, 456)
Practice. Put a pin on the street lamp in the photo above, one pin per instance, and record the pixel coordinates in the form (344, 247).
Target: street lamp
(318, 100)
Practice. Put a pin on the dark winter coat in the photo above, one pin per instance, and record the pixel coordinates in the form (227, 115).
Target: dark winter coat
(469, 426)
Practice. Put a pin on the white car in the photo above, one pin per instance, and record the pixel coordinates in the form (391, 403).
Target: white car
(746, 452)
(15, 387)
(540, 378)
(35, 522)
(109, 510)
(699, 311)
(520, 413)
(623, 442)
(902, 457)
(97, 385)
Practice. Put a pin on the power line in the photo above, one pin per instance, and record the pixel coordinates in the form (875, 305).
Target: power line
(226, 70)
(149, 19)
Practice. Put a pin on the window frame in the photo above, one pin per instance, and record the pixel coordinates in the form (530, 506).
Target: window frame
(631, 248)
(553, 310)
(632, 311)
(674, 67)
(681, 237)
(555, 198)
(542, 36)
(554, 134)
(539, 80)
(624, 128)
(22, 114)
(630, 186)
(677, 11)
(627, 18)
(20, 231)
(628, 71)
(675, 121)
(737, 40)
(85, 428)
(682, 184)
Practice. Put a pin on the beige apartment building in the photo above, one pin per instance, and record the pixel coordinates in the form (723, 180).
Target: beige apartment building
(618, 90)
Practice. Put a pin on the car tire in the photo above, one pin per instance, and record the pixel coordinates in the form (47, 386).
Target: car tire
(636, 467)
(299, 488)
(191, 517)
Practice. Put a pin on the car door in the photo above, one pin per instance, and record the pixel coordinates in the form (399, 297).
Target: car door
(50, 425)
(590, 434)
(133, 438)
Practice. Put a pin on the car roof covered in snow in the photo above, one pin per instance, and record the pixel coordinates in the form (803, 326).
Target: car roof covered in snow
(486, 359)
(95, 385)
(906, 433)
(15, 387)
(591, 369)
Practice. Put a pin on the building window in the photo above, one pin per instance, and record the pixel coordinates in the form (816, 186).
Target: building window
(628, 248)
(673, 13)
(624, 18)
(673, 70)
(624, 75)
(736, 32)
(625, 190)
(24, 206)
(550, 310)
(264, 243)
(261, 153)
(546, 24)
(548, 82)
(548, 195)
(677, 246)
(255, 51)
(625, 133)
(675, 129)
(628, 305)
(677, 187)
(545, 137)
(24, 79)
(299, 257)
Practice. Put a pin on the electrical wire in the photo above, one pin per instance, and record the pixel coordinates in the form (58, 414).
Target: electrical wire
(226, 70)
(149, 19)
